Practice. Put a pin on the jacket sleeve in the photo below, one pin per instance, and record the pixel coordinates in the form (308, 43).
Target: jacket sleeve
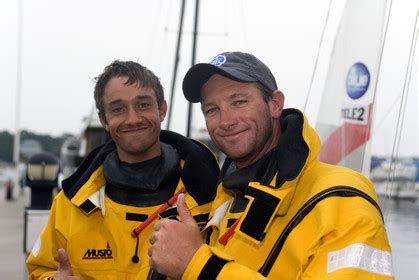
(211, 263)
(353, 246)
(42, 261)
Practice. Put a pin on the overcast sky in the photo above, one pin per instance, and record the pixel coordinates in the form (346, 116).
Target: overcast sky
(65, 44)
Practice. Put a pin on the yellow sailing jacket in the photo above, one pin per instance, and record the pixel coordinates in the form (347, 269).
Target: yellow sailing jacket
(310, 220)
(96, 231)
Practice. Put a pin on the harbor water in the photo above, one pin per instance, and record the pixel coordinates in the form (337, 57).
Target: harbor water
(402, 222)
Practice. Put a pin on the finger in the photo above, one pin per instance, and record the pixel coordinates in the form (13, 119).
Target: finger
(65, 266)
(183, 210)
(151, 264)
(157, 225)
(152, 238)
(150, 251)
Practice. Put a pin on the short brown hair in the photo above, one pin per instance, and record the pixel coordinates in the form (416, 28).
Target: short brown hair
(136, 74)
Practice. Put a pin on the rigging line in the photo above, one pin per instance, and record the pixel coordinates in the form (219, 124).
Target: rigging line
(402, 109)
(201, 33)
(400, 119)
(153, 33)
(164, 42)
(387, 113)
(176, 63)
(380, 60)
(371, 118)
(194, 44)
(317, 56)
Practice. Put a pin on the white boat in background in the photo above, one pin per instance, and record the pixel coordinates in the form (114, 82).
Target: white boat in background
(396, 179)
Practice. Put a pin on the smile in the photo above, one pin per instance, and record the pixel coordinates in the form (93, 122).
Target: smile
(232, 134)
(135, 130)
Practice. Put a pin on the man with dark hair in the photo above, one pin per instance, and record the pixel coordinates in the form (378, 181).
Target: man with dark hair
(100, 223)
(279, 212)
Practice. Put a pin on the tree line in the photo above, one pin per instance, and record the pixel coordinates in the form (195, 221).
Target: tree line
(47, 142)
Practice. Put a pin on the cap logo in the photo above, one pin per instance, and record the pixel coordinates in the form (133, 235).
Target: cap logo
(218, 60)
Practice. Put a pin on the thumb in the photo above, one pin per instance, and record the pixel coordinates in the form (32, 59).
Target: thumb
(183, 210)
(65, 266)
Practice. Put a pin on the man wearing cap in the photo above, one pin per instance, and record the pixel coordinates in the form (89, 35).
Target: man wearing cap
(279, 212)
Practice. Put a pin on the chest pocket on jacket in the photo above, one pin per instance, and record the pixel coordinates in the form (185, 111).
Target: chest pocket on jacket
(264, 204)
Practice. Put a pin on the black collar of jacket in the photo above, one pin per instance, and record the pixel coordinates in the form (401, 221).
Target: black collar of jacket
(93, 160)
(288, 158)
(199, 174)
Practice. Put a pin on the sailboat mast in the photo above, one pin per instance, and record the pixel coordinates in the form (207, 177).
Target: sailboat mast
(194, 42)
(176, 64)
(402, 110)
(16, 140)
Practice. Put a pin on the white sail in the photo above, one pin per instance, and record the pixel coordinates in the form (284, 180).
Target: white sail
(344, 119)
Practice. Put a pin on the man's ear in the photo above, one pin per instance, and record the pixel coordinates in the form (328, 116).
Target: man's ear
(163, 110)
(276, 104)
(103, 122)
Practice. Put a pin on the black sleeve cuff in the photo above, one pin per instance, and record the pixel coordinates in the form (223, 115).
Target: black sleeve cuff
(212, 268)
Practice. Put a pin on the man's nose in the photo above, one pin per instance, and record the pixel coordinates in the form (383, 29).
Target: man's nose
(227, 119)
(132, 116)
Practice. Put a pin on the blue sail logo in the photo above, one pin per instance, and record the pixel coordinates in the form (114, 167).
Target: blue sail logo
(357, 80)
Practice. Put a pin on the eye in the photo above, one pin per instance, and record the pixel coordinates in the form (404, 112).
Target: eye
(239, 102)
(117, 110)
(143, 105)
(210, 111)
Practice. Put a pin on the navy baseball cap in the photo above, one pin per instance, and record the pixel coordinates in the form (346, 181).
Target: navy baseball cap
(242, 67)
